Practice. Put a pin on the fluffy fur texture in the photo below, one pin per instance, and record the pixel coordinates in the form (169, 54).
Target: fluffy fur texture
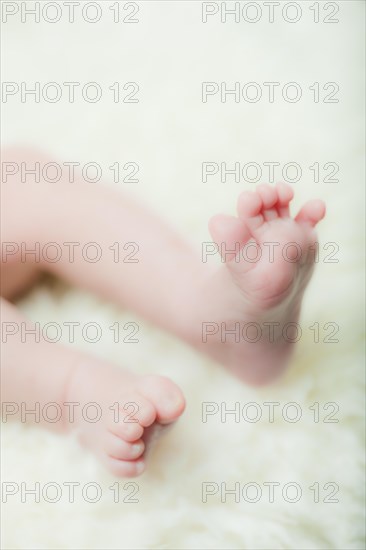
(170, 133)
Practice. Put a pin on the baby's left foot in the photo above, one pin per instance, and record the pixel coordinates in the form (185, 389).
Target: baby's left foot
(127, 413)
(263, 281)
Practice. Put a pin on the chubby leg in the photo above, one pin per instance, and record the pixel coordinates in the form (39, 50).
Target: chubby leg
(263, 281)
(33, 216)
(129, 409)
(100, 239)
(141, 263)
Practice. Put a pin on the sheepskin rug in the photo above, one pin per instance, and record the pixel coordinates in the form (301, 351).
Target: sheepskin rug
(315, 464)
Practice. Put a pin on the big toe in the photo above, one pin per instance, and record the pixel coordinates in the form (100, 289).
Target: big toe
(311, 213)
(167, 398)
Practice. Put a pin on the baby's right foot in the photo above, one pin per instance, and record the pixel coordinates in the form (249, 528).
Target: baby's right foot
(264, 293)
(133, 410)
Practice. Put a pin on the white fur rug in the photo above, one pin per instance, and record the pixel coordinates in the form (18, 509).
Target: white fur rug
(169, 133)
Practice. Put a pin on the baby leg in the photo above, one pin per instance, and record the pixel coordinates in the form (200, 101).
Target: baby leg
(128, 408)
(133, 407)
(167, 282)
(141, 263)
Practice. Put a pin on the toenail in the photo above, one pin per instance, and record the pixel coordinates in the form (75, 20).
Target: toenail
(172, 401)
(137, 448)
(130, 429)
(140, 466)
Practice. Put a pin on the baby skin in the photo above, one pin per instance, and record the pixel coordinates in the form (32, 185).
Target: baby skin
(170, 285)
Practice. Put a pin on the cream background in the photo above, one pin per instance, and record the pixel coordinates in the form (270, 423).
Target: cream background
(170, 133)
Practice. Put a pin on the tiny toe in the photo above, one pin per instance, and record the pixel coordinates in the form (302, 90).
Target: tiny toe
(311, 213)
(136, 408)
(126, 429)
(229, 233)
(249, 204)
(285, 196)
(269, 198)
(125, 468)
(167, 398)
(285, 193)
(146, 413)
(250, 210)
(268, 195)
(120, 449)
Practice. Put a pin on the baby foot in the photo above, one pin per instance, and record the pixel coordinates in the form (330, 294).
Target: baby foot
(269, 258)
(278, 253)
(133, 411)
